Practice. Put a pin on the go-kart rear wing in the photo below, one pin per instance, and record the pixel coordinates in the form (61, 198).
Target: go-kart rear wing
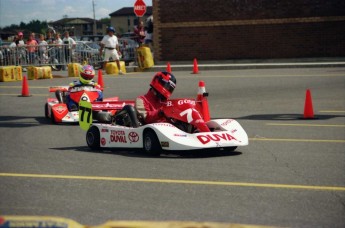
(53, 89)
(110, 105)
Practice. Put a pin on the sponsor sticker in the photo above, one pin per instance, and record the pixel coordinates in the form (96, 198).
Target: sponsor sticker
(216, 137)
(133, 136)
(103, 141)
(60, 109)
(164, 144)
(105, 130)
(180, 135)
(163, 124)
(227, 122)
(118, 136)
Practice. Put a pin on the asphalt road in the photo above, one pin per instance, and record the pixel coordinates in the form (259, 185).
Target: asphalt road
(291, 174)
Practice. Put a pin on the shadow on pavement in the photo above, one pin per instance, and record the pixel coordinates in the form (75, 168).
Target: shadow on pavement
(286, 117)
(22, 121)
(165, 154)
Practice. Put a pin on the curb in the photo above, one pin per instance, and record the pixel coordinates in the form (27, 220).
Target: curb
(234, 66)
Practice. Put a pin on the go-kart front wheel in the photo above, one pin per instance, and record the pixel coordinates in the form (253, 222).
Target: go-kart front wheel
(93, 138)
(151, 144)
(46, 111)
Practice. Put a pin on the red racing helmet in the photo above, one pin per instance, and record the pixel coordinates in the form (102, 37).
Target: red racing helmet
(164, 83)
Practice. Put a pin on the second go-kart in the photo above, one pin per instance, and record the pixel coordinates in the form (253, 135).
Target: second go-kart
(181, 131)
(57, 109)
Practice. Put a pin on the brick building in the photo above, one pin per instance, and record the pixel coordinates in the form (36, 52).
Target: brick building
(248, 29)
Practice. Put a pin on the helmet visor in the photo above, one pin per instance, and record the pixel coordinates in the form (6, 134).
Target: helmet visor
(167, 84)
(87, 74)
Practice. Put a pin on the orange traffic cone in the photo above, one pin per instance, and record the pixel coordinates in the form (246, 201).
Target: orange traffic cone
(202, 97)
(195, 67)
(308, 106)
(25, 88)
(100, 78)
(168, 68)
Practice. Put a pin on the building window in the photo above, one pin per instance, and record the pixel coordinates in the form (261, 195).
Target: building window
(136, 21)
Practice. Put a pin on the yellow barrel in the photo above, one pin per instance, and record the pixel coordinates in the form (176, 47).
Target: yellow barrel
(10, 73)
(44, 72)
(144, 57)
(111, 68)
(73, 69)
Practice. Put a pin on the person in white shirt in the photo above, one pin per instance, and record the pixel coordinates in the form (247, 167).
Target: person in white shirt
(69, 45)
(112, 51)
(43, 47)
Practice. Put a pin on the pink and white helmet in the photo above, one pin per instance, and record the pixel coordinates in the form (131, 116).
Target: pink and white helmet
(87, 73)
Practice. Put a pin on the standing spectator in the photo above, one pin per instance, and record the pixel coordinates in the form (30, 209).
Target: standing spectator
(13, 43)
(43, 46)
(34, 37)
(112, 48)
(70, 44)
(20, 41)
(149, 32)
(20, 51)
(58, 47)
(31, 48)
(139, 31)
(50, 38)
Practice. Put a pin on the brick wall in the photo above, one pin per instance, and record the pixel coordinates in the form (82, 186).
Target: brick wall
(244, 29)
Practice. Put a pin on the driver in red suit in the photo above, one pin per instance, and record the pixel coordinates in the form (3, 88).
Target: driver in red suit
(150, 105)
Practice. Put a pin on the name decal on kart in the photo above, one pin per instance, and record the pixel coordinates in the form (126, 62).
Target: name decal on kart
(118, 136)
(204, 139)
(181, 102)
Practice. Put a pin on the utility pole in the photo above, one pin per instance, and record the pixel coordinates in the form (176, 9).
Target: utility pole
(94, 18)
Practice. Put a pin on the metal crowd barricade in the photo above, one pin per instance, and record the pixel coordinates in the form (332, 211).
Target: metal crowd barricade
(59, 56)
(33, 55)
(128, 49)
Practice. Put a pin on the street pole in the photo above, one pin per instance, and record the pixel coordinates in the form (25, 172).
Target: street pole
(94, 18)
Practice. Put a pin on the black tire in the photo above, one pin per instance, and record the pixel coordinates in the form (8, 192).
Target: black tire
(93, 138)
(231, 149)
(55, 65)
(52, 118)
(151, 143)
(46, 111)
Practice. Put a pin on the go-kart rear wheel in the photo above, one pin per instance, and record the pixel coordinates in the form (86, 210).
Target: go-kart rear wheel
(151, 144)
(93, 138)
(46, 111)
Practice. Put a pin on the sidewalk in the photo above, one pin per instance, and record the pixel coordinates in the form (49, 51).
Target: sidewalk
(236, 64)
(249, 64)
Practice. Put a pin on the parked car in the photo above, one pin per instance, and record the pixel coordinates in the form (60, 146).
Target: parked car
(89, 52)
(128, 48)
(92, 38)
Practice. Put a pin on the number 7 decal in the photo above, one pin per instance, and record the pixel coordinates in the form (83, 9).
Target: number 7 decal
(189, 113)
(85, 115)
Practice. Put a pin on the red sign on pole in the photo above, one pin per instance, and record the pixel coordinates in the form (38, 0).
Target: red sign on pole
(139, 8)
